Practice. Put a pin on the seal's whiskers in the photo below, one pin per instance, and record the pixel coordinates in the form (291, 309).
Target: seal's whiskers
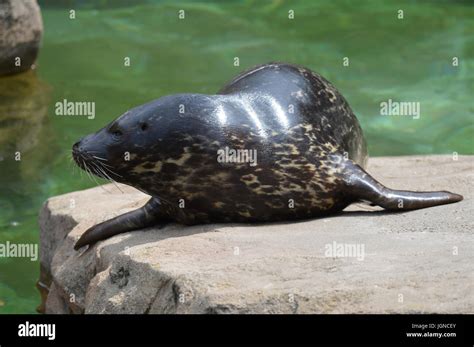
(104, 174)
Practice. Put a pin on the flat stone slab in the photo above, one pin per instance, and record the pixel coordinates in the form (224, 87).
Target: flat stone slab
(363, 260)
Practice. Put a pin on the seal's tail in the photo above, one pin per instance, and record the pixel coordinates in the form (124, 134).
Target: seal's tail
(364, 187)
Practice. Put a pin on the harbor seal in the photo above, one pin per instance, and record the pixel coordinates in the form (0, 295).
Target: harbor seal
(277, 143)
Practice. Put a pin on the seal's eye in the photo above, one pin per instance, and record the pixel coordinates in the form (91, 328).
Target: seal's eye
(117, 133)
(144, 126)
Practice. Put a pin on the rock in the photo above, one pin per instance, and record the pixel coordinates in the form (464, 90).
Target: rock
(24, 101)
(412, 262)
(55, 303)
(23, 112)
(21, 28)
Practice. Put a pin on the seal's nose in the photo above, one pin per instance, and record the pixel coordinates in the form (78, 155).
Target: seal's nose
(78, 147)
(75, 147)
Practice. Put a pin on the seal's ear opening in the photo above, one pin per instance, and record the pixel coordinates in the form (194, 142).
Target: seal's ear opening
(144, 126)
(362, 186)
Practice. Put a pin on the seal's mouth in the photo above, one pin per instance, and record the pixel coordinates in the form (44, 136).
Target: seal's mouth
(93, 164)
(85, 162)
(88, 162)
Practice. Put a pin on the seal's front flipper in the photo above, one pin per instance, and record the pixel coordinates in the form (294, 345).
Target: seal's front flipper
(362, 186)
(147, 215)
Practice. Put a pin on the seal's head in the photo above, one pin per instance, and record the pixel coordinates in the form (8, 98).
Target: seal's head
(136, 145)
(115, 150)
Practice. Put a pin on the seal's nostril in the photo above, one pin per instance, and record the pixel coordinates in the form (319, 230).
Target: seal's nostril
(77, 146)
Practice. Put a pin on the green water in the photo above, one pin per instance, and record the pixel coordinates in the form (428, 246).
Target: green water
(406, 59)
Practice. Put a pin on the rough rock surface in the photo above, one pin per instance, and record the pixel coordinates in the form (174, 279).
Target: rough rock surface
(21, 28)
(418, 261)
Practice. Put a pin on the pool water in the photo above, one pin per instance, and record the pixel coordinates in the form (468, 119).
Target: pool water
(82, 59)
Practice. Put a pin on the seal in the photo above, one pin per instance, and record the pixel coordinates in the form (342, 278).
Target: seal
(277, 143)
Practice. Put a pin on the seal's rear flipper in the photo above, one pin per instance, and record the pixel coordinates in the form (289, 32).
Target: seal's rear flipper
(362, 186)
